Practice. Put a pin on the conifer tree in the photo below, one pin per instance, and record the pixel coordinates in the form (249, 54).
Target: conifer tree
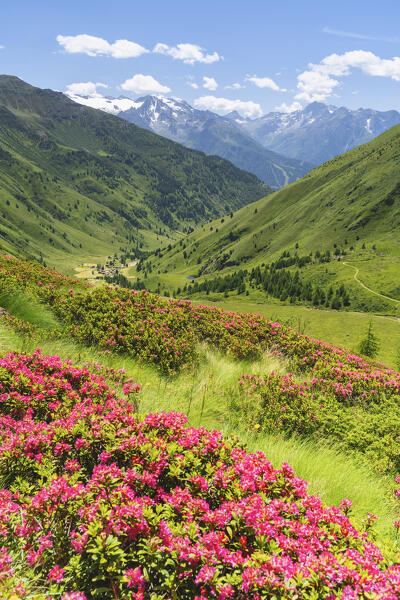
(369, 345)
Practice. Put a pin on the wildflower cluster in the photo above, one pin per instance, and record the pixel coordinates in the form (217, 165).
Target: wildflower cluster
(33, 281)
(354, 404)
(99, 503)
(162, 331)
(19, 325)
(32, 276)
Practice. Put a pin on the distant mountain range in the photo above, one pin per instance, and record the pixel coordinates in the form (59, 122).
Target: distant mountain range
(278, 147)
(203, 130)
(319, 132)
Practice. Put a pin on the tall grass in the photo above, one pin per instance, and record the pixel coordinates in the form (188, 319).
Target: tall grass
(29, 310)
(203, 393)
(332, 475)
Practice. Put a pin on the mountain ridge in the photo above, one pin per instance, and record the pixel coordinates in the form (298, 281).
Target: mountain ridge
(318, 132)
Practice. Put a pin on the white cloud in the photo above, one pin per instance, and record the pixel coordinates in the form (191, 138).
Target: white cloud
(224, 106)
(315, 86)
(234, 86)
(96, 46)
(369, 63)
(265, 82)
(189, 53)
(144, 84)
(1, 47)
(319, 81)
(210, 83)
(126, 49)
(360, 36)
(87, 88)
(288, 108)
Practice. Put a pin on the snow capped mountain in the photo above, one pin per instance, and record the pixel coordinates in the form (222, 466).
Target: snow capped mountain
(108, 104)
(278, 147)
(165, 116)
(319, 131)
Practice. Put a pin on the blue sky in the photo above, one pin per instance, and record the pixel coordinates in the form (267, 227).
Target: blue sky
(254, 56)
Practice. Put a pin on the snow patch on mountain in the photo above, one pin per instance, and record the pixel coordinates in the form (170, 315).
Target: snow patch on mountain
(110, 105)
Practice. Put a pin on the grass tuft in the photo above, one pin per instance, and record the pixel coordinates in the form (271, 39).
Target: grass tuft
(27, 309)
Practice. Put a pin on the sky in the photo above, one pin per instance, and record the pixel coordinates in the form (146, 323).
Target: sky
(254, 57)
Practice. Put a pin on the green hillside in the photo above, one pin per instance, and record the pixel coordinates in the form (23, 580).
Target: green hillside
(337, 226)
(76, 181)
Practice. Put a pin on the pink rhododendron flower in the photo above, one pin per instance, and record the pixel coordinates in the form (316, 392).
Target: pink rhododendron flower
(56, 574)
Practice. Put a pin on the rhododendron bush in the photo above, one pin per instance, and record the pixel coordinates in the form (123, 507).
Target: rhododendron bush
(35, 282)
(166, 332)
(162, 331)
(22, 274)
(350, 402)
(100, 503)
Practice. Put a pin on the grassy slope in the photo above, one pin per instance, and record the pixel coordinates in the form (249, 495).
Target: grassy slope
(203, 394)
(352, 200)
(81, 182)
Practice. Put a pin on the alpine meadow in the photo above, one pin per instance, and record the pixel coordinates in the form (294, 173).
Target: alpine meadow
(199, 301)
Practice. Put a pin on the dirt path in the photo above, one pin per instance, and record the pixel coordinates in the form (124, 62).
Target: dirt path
(366, 287)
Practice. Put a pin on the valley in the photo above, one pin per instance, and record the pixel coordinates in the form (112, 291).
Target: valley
(341, 217)
(206, 131)
(278, 147)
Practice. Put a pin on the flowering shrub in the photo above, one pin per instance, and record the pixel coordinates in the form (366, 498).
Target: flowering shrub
(166, 332)
(143, 325)
(358, 409)
(22, 327)
(34, 282)
(160, 331)
(99, 503)
(29, 275)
